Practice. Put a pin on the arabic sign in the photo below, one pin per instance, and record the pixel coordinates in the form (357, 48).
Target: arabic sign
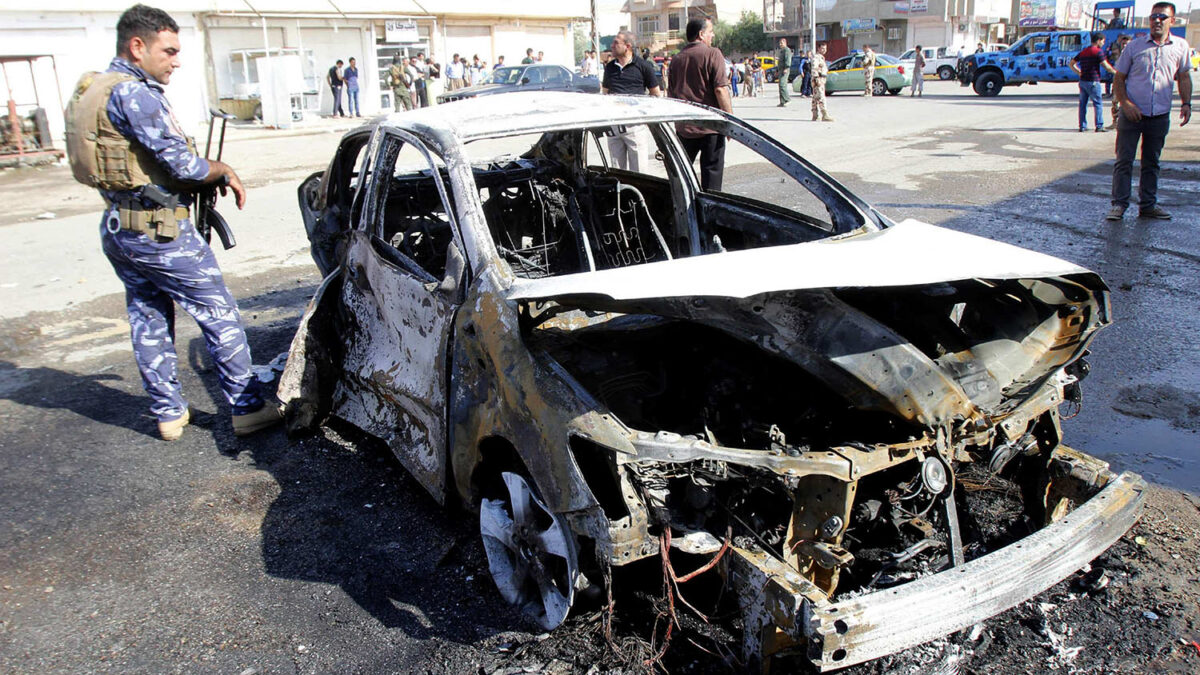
(1038, 13)
(401, 31)
(918, 6)
(866, 25)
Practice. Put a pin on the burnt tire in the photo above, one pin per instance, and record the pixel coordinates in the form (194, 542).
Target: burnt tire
(945, 73)
(988, 84)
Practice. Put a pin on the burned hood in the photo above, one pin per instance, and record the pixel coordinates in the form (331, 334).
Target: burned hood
(929, 325)
(910, 253)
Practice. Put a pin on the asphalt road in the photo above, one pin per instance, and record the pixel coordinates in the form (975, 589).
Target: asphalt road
(120, 553)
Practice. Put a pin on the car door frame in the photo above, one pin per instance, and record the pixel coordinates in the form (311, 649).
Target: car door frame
(396, 382)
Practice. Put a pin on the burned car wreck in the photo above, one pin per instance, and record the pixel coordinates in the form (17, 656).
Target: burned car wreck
(611, 365)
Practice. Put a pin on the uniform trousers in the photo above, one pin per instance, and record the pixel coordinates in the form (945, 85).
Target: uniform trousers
(157, 275)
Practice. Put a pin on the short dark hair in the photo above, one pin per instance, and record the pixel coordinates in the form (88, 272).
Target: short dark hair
(918, 47)
(339, 62)
(1165, 4)
(142, 22)
(694, 27)
(351, 58)
(1097, 36)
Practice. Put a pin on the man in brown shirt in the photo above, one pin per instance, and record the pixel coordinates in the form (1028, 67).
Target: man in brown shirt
(698, 74)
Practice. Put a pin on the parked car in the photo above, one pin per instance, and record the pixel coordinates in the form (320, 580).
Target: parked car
(846, 74)
(608, 366)
(767, 65)
(536, 77)
(940, 61)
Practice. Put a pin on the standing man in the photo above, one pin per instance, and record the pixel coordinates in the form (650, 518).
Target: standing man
(400, 84)
(454, 74)
(528, 56)
(1087, 64)
(351, 77)
(421, 84)
(1114, 53)
(868, 70)
(499, 62)
(698, 74)
(123, 138)
(918, 81)
(1142, 86)
(1116, 23)
(783, 65)
(335, 85)
(806, 75)
(541, 56)
(628, 73)
(820, 71)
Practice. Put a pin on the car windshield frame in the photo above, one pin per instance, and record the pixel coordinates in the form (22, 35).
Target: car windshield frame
(849, 214)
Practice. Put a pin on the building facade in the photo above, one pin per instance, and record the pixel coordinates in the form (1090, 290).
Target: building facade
(660, 25)
(890, 26)
(274, 53)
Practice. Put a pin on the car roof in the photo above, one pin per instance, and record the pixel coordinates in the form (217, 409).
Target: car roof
(525, 112)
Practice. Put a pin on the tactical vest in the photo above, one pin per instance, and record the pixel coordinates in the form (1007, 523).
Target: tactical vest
(99, 155)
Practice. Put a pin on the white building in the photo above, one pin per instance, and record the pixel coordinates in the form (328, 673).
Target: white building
(229, 46)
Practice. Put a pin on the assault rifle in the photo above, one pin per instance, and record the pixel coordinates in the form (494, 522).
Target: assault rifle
(207, 218)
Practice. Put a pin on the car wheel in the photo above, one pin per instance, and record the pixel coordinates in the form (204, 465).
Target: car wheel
(945, 73)
(878, 87)
(988, 84)
(531, 553)
(893, 92)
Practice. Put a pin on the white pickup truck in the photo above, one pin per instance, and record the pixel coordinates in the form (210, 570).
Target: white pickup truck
(941, 61)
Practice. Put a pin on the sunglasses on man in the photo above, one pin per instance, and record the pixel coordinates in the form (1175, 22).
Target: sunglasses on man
(1159, 16)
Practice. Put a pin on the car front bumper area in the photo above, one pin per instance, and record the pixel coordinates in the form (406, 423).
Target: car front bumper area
(840, 634)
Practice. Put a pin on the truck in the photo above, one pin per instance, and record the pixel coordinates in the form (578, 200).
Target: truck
(1044, 56)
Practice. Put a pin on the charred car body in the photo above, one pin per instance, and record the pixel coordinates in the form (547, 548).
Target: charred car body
(609, 366)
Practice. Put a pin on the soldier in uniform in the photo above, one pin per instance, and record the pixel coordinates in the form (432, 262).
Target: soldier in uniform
(123, 139)
(400, 82)
(868, 69)
(820, 70)
(783, 65)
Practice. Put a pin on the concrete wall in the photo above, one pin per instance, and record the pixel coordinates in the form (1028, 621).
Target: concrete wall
(83, 42)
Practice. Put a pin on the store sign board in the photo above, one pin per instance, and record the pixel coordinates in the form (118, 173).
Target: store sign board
(400, 31)
(866, 25)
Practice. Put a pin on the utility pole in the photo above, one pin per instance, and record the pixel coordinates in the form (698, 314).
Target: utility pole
(812, 24)
(595, 37)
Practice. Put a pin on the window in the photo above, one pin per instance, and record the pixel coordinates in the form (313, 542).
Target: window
(647, 25)
(673, 21)
(805, 207)
(534, 75)
(556, 75)
(413, 218)
(1070, 43)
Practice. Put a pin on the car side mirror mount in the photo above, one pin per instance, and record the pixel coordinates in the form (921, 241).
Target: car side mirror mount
(524, 80)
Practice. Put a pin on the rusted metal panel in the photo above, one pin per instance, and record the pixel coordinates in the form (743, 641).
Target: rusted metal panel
(394, 362)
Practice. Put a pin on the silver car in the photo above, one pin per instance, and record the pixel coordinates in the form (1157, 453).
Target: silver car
(771, 380)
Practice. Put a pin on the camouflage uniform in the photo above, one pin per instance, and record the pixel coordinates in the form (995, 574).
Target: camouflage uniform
(157, 274)
(820, 70)
(868, 72)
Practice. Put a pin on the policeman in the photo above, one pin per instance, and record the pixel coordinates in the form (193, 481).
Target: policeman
(400, 83)
(123, 139)
(820, 71)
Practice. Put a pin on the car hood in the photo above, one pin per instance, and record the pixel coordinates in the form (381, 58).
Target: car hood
(873, 315)
(906, 254)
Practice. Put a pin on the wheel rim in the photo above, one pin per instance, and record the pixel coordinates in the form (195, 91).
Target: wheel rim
(531, 553)
(878, 87)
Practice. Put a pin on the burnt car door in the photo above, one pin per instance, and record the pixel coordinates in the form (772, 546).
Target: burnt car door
(404, 274)
(326, 197)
